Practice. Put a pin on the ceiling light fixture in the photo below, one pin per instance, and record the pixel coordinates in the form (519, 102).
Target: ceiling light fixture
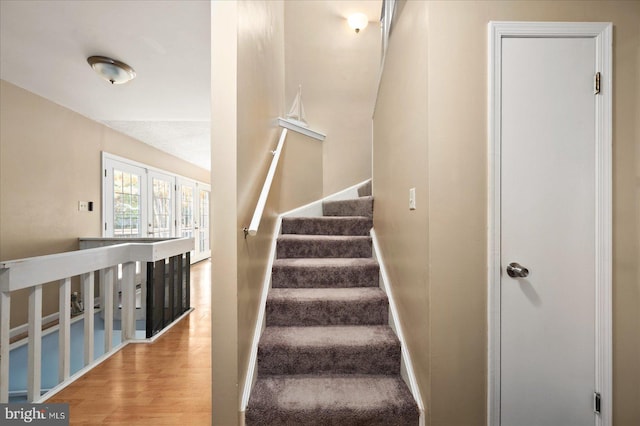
(115, 72)
(358, 21)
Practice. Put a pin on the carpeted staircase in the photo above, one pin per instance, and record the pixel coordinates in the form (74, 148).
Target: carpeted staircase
(327, 355)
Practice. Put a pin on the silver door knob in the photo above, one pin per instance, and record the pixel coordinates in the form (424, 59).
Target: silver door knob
(515, 270)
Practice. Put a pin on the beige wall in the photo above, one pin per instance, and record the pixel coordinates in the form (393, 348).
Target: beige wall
(224, 219)
(400, 160)
(449, 139)
(338, 70)
(247, 97)
(50, 158)
(260, 101)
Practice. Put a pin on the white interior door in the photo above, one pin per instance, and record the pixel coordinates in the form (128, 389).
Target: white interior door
(548, 232)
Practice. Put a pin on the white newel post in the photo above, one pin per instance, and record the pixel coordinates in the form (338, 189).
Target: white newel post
(64, 331)
(35, 343)
(5, 317)
(128, 301)
(88, 297)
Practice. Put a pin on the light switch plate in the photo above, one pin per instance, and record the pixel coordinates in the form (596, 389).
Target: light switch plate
(83, 206)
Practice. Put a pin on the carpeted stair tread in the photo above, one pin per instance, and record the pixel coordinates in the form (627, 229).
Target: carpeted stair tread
(347, 400)
(362, 206)
(329, 350)
(327, 306)
(325, 272)
(325, 225)
(300, 246)
(327, 356)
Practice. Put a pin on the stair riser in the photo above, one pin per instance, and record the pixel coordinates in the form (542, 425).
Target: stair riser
(310, 313)
(365, 190)
(358, 207)
(355, 247)
(322, 226)
(325, 277)
(379, 359)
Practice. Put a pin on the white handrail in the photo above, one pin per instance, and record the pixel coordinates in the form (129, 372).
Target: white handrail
(32, 273)
(262, 200)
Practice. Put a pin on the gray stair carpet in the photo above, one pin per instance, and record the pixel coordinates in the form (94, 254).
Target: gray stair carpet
(327, 355)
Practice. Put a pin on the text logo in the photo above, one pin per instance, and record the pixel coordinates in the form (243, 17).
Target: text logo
(34, 414)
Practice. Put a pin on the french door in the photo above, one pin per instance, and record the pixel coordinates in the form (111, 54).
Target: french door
(140, 202)
(203, 246)
(124, 207)
(161, 196)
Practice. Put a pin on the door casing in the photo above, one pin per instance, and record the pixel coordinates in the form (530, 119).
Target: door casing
(602, 33)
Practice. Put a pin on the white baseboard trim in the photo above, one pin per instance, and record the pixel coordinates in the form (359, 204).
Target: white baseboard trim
(50, 392)
(407, 365)
(46, 320)
(314, 209)
(21, 329)
(252, 367)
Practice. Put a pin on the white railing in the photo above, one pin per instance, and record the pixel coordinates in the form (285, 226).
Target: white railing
(262, 200)
(33, 273)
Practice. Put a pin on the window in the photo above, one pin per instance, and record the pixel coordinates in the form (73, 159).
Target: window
(142, 202)
(127, 218)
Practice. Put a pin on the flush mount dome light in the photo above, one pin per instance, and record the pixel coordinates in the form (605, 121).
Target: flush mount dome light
(115, 72)
(358, 21)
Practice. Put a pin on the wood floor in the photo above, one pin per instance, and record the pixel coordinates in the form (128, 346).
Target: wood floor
(164, 383)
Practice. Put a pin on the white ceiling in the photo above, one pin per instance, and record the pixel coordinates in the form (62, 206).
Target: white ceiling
(44, 46)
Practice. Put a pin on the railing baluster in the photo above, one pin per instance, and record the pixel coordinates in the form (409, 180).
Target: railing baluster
(128, 301)
(88, 297)
(5, 318)
(107, 307)
(64, 331)
(32, 273)
(35, 343)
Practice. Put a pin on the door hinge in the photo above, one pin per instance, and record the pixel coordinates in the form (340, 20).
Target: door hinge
(596, 402)
(105, 172)
(596, 84)
(105, 226)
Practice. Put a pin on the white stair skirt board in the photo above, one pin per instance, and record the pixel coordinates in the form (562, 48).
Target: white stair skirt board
(406, 366)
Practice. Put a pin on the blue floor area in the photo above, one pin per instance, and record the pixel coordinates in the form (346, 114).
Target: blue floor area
(18, 358)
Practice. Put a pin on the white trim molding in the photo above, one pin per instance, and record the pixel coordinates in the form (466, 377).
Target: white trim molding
(292, 125)
(601, 32)
(407, 371)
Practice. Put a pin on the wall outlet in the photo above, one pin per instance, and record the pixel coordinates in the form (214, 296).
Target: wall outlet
(412, 198)
(83, 206)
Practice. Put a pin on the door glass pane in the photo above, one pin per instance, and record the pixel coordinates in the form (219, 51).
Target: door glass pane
(186, 211)
(127, 217)
(204, 221)
(161, 200)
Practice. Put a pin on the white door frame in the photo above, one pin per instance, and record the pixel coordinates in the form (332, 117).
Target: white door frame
(602, 33)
